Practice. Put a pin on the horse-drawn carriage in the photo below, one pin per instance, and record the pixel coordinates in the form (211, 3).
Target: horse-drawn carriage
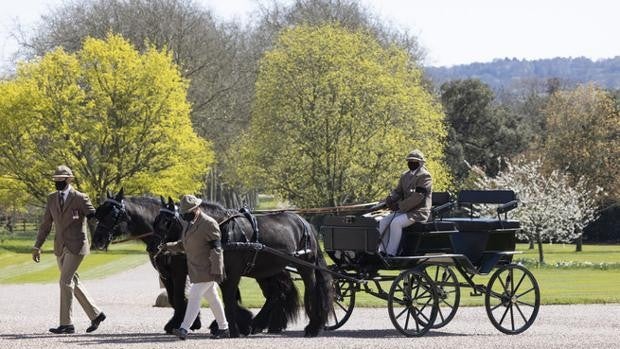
(424, 289)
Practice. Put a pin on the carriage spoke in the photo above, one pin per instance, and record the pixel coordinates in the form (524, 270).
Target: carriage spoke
(440, 312)
(407, 320)
(495, 307)
(446, 303)
(335, 315)
(424, 316)
(526, 292)
(521, 313)
(417, 289)
(520, 281)
(402, 312)
(499, 278)
(512, 317)
(503, 316)
(523, 303)
(341, 307)
(417, 324)
(512, 282)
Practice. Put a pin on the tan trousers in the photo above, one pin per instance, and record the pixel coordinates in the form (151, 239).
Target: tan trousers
(70, 285)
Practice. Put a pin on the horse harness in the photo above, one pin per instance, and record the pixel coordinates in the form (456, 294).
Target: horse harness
(254, 244)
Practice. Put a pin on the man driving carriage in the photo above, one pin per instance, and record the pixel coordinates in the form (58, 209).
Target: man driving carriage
(411, 202)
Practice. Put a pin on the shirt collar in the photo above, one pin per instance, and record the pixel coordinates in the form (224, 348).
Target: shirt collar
(66, 191)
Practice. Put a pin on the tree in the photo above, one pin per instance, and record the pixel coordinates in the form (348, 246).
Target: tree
(479, 133)
(214, 56)
(583, 137)
(334, 115)
(115, 116)
(350, 14)
(551, 208)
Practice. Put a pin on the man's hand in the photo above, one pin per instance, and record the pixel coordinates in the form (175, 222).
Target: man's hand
(391, 203)
(36, 254)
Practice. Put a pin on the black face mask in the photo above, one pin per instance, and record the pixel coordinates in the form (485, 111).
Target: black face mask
(60, 185)
(188, 216)
(413, 165)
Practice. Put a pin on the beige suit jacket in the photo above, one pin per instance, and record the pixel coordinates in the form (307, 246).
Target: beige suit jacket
(204, 263)
(70, 223)
(416, 205)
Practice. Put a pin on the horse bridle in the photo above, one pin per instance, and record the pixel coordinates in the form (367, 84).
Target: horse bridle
(119, 217)
(175, 219)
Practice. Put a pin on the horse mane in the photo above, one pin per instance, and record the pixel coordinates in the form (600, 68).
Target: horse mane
(214, 209)
(143, 210)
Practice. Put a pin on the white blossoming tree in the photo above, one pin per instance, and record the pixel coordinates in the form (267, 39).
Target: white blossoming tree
(550, 207)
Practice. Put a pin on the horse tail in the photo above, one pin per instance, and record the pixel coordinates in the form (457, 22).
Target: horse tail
(290, 301)
(324, 285)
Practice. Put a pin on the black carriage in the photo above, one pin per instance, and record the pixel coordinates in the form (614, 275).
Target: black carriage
(424, 289)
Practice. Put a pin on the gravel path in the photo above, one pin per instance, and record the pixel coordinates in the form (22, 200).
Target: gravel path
(27, 311)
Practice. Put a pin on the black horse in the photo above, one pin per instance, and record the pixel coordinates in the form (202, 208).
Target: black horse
(284, 231)
(136, 216)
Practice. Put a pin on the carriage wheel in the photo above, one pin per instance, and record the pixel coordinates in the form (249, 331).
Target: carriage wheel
(344, 301)
(412, 303)
(448, 292)
(512, 299)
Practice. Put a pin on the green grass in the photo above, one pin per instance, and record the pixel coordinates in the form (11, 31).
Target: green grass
(16, 265)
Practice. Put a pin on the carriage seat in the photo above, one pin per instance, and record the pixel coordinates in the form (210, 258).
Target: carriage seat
(483, 224)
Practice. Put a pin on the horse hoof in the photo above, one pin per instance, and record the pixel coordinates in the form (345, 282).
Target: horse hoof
(196, 326)
(311, 332)
(275, 331)
(256, 330)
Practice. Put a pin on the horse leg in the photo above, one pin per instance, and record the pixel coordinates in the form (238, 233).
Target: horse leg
(261, 320)
(173, 322)
(310, 302)
(317, 298)
(230, 288)
(288, 305)
(281, 303)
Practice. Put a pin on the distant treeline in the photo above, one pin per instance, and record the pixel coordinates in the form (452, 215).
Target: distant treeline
(509, 73)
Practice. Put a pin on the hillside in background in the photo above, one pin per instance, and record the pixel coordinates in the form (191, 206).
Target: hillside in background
(509, 73)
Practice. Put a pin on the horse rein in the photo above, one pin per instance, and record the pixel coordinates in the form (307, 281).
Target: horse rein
(132, 238)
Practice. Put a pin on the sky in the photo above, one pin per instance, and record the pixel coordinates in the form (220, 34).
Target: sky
(451, 31)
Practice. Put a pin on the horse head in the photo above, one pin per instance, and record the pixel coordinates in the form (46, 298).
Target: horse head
(111, 215)
(168, 225)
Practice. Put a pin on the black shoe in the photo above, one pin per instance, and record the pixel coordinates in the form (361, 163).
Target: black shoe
(62, 329)
(95, 323)
(180, 332)
(220, 334)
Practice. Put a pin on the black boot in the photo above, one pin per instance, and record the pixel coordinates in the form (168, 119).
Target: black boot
(95, 323)
(217, 334)
(63, 329)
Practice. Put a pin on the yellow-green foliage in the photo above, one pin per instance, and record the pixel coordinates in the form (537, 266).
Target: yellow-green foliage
(335, 114)
(115, 116)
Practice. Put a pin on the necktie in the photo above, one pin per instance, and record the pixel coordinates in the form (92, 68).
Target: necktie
(62, 200)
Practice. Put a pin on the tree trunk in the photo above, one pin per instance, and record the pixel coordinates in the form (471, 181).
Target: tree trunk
(579, 242)
(541, 256)
(531, 244)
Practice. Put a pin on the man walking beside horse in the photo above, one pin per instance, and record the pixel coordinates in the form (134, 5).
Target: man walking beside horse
(67, 209)
(205, 264)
